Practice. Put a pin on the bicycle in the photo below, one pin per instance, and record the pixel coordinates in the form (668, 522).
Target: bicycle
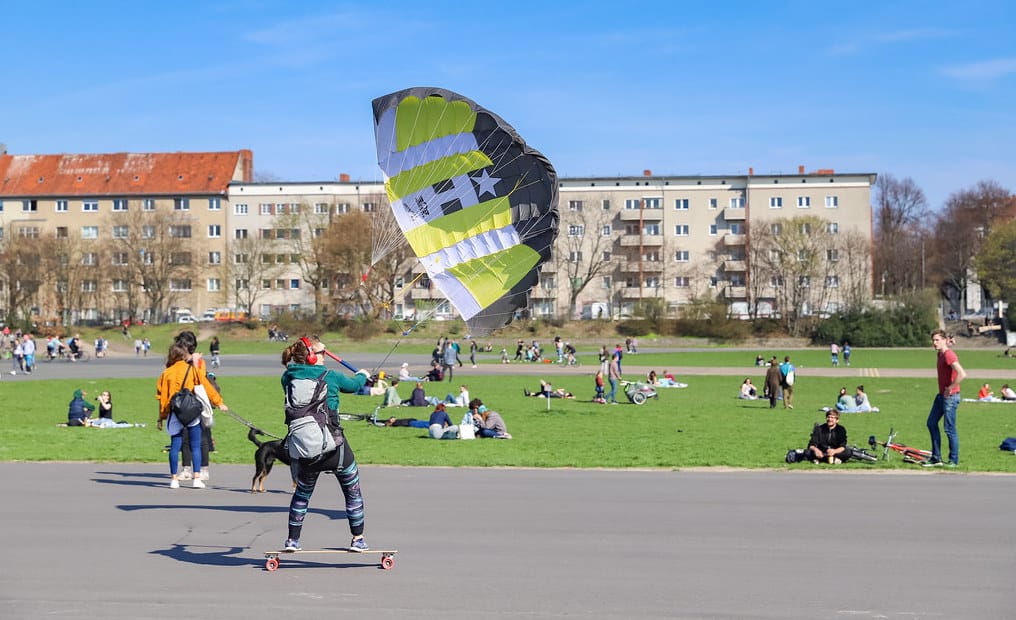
(910, 455)
(67, 356)
(363, 417)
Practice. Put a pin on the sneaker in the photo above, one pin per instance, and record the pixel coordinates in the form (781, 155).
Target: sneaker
(174, 484)
(197, 484)
(204, 475)
(358, 545)
(952, 465)
(186, 474)
(837, 461)
(931, 464)
(291, 545)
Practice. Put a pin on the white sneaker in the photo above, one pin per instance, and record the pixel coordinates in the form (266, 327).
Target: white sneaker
(204, 474)
(174, 484)
(197, 484)
(186, 474)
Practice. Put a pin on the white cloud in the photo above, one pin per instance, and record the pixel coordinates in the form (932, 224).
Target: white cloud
(983, 70)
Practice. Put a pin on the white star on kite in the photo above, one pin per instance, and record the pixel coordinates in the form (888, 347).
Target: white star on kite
(485, 184)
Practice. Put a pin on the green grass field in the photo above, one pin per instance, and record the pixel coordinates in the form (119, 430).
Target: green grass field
(702, 425)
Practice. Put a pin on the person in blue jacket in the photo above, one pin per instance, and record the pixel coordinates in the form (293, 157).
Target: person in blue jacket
(79, 410)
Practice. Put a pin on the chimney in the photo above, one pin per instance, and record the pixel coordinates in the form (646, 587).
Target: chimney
(751, 172)
(800, 170)
(647, 173)
(343, 177)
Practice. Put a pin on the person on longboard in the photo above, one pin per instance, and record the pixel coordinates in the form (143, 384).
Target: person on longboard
(304, 361)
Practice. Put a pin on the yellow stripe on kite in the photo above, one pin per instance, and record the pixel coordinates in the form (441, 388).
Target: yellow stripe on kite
(421, 120)
(456, 227)
(425, 175)
(490, 277)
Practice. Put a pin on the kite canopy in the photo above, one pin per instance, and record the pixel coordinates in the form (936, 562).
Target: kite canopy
(476, 204)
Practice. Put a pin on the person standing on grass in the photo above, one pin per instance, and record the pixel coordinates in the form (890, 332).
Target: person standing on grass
(947, 401)
(787, 376)
(772, 382)
(613, 376)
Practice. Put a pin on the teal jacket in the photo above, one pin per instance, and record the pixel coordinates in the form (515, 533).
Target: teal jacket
(335, 381)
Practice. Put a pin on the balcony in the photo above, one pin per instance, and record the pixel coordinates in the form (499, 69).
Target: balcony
(629, 241)
(424, 293)
(731, 239)
(734, 215)
(735, 292)
(734, 265)
(647, 215)
(632, 292)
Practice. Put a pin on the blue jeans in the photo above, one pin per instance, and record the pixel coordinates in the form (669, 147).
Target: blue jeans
(612, 394)
(944, 407)
(194, 438)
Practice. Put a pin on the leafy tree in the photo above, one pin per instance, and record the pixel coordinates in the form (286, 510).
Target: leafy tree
(996, 262)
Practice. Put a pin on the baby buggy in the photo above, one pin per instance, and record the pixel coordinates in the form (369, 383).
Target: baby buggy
(638, 392)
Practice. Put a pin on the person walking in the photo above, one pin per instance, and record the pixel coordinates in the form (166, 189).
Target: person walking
(788, 375)
(613, 376)
(772, 383)
(947, 401)
(304, 361)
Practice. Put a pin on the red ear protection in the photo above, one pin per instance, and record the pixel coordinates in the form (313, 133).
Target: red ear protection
(311, 355)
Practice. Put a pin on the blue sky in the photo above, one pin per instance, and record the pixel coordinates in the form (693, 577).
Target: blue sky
(925, 90)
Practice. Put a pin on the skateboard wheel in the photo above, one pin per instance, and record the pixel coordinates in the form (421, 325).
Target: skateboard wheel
(387, 562)
(272, 564)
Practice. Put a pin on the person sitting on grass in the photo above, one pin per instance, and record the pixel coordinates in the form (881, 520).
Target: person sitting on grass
(490, 423)
(420, 399)
(1007, 393)
(828, 442)
(441, 426)
(79, 411)
(845, 404)
(748, 391)
(861, 401)
(392, 398)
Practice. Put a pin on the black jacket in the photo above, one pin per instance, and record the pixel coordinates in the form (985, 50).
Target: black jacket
(823, 438)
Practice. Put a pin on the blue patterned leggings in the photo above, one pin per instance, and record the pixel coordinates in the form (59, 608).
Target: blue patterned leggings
(349, 480)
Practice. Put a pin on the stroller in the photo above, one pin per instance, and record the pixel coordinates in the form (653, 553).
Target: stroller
(638, 392)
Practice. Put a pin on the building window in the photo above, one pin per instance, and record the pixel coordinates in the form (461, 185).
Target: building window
(651, 230)
(214, 231)
(681, 256)
(181, 231)
(180, 258)
(242, 285)
(29, 206)
(215, 258)
(605, 205)
(576, 230)
(832, 255)
(342, 208)
(681, 230)
(681, 281)
(28, 232)
(181, 204)
(215, 204)
(147, 258)
(832, 202)
(575, 257)
(267, 233)
(714, 203)
(776, 228)
(804, 202)
(294, 283)
(239, 209)
(240, 259)
(148, 204)
(89, 258)
(575, 205)
(776, 281)
(776, 202)
(88, 286)
(632, 203)
(179, 284)
(547, 283)
(213, 284)
(736, 229)
(89, 232)
(805, 228)
(713, 231)
(119, 258)
(120, 232)
(119, 286)
(369, 207)
(148, 232)
(240, 233)
(61, 206)
(832, 228)
(681, 204)
(832, 281)
(294, 209)
(605, 231)
(90, 206)
(804, 281)
(321, 208)
(119, 204)
(267, 208)
(737, 202)
(61, 232)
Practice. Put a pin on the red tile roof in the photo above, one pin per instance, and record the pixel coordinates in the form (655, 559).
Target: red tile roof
(123, 174)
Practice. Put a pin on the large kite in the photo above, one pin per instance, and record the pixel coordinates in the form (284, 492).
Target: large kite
(477, 205)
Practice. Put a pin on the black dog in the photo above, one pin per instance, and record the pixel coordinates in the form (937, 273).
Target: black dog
(264, 457)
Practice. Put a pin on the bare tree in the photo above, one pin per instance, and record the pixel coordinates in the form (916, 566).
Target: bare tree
(21, 272)
(252, 260)
(901, 218)
(583, 251)
(345, 254)
(853, 267)
(960, 230)
(67, 265)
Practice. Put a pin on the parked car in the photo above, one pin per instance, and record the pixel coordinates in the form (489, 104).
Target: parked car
(186, 318)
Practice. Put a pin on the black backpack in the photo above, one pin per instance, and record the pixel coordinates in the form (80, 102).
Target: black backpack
(185, 405)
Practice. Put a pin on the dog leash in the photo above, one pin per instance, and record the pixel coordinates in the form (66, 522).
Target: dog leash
(248, 424)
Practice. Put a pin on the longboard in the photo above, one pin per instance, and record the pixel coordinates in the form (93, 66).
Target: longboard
(387, 556)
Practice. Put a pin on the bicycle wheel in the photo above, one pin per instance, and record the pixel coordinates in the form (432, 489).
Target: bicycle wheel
(353, 417)
(863, 456)
(84, 356)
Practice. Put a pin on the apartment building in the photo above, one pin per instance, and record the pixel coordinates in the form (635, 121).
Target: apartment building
(232, 243)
